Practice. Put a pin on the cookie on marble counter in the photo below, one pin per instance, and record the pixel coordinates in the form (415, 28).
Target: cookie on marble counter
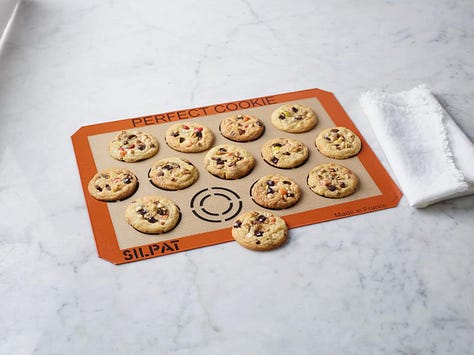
(173, 173)
(338, 143)
(133, 146)
(229, 161)
(152, 214)
(242, 128)
(189, 137)
(285, 153)
(275, 191)
(332, 180)
(257, 230)
(113, 184)
(294, 118)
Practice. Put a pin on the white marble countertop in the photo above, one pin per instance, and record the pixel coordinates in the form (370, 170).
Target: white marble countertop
(397, 281)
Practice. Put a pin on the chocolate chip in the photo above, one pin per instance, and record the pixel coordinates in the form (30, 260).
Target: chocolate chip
(274, 160)
(332, 188)
(286, 153)
(270, 190)
(334, 130)
(342, 185)
(181, 140)
(175, 134)
(161, 211)
(131, 136)
(219, 161)
(141, 146)
(127, 179)
(286, 182)
(152, 220)
(108, 187)
(258, 233)
(142, 211)
(257, 242)
(299, 117)
(98, 188)
(168, 167)
(276, 145)
(241, 131)
(282, 117)
(294, 109)
(222, 150)
(270, 183)
(198, 134)
(261, 218)
(290, 194)
(237, 224)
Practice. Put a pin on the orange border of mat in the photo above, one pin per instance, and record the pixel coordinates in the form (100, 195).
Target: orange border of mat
(105, 238)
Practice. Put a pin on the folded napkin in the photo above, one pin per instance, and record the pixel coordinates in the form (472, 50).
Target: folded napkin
(432, 158)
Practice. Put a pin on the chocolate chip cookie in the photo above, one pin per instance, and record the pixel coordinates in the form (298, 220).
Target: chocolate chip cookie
(229, 161)
(189, 137)
(173, 173)
(338, 143)
(133, 146)
(275, 192)
(152, 214)
(294, 118)
(332, 180)
(113, 184)
(257, 230)
(242, 128)
(285, 153)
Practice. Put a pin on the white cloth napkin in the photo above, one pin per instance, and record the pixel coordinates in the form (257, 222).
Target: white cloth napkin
(432, 158)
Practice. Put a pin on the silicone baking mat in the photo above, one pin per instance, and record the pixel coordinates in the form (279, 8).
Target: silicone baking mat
(211, 205)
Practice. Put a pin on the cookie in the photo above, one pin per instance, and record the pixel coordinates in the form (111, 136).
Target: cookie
(275, 192)
(284, 153)
(242, 128)
(173, 173)
(132, 146)
(258, 230)
(332, 180)
(294, 118)
(189, 137)
(229, 161)
(152, 214)
(113, 184)
(338, 143)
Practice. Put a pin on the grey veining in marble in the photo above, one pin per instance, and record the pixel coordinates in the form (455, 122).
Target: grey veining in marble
(398, 281)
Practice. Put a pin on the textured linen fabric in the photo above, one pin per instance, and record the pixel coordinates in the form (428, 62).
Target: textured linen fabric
(432, 158)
